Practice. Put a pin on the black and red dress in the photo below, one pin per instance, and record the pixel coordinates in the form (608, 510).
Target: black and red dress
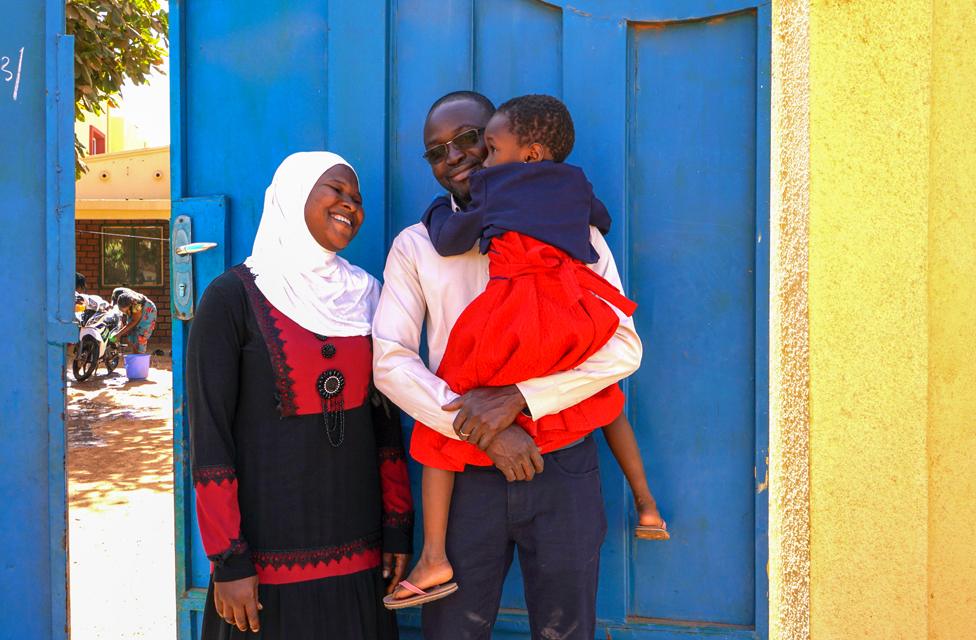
(298, 466)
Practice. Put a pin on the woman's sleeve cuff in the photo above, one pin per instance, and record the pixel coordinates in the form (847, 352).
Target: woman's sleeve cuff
(399, 538)
(234, 567)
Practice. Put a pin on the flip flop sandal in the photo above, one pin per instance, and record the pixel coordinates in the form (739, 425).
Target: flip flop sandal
(421, 597)
(646, 532)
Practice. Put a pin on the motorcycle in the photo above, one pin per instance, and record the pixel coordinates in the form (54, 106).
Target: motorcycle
(87, 305)
(100, 324)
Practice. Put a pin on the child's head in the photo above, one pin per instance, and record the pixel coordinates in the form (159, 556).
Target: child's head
(529, 129)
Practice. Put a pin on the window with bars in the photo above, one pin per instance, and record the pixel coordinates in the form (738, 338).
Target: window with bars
(132, 256)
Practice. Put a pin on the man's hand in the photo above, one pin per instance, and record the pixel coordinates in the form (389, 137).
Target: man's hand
(485, 412)
(237, 603)
(514, 453)
(395, 569)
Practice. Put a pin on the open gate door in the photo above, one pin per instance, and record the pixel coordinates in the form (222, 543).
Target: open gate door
(37, 272)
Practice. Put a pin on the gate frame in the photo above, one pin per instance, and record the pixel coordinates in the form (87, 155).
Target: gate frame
(511, 625)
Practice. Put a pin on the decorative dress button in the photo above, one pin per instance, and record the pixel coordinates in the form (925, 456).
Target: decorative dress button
(330, 383)
(319, 336)
(328, 350)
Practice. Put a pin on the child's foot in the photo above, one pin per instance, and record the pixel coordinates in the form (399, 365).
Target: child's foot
(425, 575)
(649, 516)
(650, 524)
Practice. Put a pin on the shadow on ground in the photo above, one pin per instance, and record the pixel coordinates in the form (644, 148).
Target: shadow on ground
(121, 513)
(120, 436)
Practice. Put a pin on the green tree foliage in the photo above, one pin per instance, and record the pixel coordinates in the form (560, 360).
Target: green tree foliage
(115, 40)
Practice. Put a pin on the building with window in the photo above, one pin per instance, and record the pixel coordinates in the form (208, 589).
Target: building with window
(122, 227)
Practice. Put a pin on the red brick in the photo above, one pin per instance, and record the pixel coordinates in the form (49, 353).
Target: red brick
(88, 249)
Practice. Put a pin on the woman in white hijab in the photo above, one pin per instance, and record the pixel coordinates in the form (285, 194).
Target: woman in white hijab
(302, 493)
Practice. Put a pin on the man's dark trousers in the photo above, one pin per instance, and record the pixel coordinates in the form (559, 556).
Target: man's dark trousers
(557, 523)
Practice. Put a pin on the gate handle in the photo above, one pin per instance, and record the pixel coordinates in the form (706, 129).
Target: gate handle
(194, 247)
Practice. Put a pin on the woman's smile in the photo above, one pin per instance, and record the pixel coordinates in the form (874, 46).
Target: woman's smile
(334, 209)
(342, 219)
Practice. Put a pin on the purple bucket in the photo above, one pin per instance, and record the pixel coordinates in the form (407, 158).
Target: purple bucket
(137, 366)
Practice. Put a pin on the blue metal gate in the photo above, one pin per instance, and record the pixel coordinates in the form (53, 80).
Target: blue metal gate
(671, 102)
(36, 269)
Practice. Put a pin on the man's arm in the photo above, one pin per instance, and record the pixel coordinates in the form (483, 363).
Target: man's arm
(400, 373)
(619, 358)
(398, 370)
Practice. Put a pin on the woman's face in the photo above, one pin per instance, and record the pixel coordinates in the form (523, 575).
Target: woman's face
(334, 209)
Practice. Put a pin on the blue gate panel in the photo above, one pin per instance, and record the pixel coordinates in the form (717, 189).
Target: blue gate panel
(254, 92)
(36, 270)
(429, 58)
(531, 36)
(210, 223)
(357, 128)
(692, 231)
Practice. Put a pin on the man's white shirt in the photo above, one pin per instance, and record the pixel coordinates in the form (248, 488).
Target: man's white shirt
(421, 285)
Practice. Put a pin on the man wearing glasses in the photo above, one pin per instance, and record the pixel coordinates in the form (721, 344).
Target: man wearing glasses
(554, 517)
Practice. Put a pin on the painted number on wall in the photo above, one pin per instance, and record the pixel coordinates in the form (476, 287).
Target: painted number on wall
(10, 70)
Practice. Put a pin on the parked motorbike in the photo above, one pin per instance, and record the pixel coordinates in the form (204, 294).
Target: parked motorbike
(87, 305)
(97, 338)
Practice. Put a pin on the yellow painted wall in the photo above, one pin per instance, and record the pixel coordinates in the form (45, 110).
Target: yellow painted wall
(120, 135)
(892, 320)
(127, 185)
(128, 174)
(952, 324)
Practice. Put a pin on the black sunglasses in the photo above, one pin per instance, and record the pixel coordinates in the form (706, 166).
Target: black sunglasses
(464, 140)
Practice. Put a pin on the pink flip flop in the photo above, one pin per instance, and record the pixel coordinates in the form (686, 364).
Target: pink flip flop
(646, 532)
(421, 597)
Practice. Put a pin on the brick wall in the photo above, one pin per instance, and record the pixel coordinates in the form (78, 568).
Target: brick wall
(88, 248)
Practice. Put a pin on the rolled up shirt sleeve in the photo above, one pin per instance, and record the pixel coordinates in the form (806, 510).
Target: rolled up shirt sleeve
(619, 358)
(398, 370)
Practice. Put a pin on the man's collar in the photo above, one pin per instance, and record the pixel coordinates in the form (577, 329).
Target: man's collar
(454, 205)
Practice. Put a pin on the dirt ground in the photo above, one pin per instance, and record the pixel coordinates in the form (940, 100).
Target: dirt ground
(120, 512)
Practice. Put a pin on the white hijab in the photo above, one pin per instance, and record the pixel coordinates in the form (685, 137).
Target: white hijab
(308, 283)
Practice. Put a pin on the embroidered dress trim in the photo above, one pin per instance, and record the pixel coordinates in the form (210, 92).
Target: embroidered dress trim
(390, 454)
(303, 557)
(395, 520)
(217, 473)
(272, 339)
(236, 547)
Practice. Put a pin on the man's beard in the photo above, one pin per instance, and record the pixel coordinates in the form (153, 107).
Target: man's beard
(461, 200)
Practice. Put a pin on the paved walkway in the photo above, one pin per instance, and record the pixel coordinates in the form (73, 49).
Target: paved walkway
(120, 516)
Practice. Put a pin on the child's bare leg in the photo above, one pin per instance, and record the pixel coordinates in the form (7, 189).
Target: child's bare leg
(623, 444)
(433, 567)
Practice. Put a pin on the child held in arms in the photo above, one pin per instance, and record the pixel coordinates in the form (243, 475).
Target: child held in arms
(543, 311)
